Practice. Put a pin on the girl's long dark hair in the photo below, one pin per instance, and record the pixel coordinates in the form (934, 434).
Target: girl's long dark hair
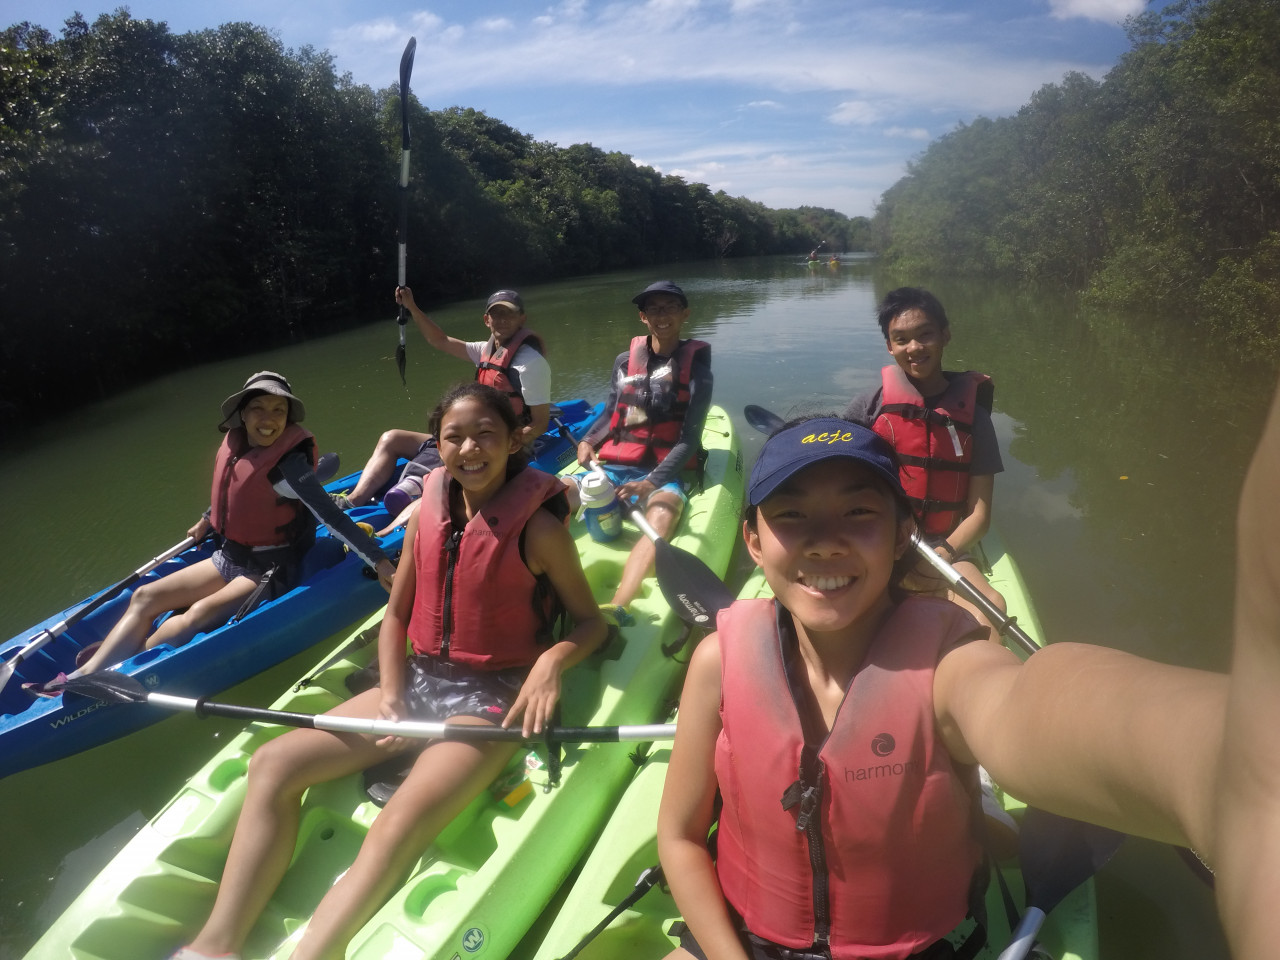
(490, 397)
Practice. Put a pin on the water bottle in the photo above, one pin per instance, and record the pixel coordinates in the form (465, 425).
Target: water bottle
(601, 510)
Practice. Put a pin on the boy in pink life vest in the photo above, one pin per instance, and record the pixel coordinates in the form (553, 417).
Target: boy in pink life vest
(939, 423)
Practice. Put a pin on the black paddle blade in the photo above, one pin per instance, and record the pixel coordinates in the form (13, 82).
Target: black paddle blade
(766, 421)
(400, 363)
(108, 687)
(1059, 854)
(406, 68)
(692, 589)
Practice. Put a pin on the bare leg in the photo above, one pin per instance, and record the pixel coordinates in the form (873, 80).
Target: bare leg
(177, 590)
(390, 447)
(212, 611)
(662, 511)
(279, 773)
(1247, 855)
(445, 778)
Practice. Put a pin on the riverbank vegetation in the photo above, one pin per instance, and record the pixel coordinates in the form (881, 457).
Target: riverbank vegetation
(169, 199)
(1154, 190)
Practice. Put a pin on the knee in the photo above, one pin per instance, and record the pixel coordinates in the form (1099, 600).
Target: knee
(273, 770)
(146, 599)
(662, 510)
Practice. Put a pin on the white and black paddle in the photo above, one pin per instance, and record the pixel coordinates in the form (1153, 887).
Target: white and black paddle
(110, 687)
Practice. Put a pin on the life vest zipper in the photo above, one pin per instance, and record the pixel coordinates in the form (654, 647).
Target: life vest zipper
(807, 793)
(446, 618)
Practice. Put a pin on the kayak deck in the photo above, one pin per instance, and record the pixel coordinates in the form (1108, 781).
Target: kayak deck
(491, 872)
(627, 846)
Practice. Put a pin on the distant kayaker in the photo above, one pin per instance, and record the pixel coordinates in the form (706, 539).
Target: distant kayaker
(939, 422)
(651, 427)
(513, 360)
(488, 658)
(262, 481)
(834, 731)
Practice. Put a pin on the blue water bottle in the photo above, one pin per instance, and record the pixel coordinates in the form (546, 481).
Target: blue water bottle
(601, 511)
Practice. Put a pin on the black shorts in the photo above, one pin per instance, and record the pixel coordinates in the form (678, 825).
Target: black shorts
(436, 690)
(233, 560)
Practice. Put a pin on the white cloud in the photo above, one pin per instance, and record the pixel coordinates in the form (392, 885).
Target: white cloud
(768, 104)
(907, 133)
(1108, 11)
(495, 25)
(855, 113)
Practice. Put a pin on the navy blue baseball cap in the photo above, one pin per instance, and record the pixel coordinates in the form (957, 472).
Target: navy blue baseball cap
(793, 448)
(662, 286)
(508, 298)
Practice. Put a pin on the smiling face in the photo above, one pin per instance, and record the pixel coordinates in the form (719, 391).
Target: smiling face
(916, 344)
(827, 539)
(504, 322)
(265, 417)
(664, 315)
(475, 443)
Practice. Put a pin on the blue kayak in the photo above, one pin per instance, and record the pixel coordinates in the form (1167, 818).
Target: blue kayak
(335, 591)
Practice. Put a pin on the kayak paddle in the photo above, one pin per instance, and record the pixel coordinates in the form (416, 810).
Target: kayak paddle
(768, 422)
(1057, 855)
(110, 687)
(647, 881)
(688, 585)
(44, 636)
(406, 68)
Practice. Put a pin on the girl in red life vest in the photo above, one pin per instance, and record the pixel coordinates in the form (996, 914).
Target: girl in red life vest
(841, 724)
(264, 504)
(481, 494)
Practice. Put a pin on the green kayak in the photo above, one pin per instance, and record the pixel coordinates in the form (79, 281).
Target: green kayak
(492, 872)
(627, 847)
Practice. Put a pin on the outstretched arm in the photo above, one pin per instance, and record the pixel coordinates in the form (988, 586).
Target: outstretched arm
(1247, 854)
(1091, 733)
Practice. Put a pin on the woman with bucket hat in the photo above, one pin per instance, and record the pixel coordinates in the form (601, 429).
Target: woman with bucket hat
(262, 480)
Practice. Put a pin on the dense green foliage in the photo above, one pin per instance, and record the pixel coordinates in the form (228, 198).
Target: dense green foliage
(1156, 189)
(167, 199)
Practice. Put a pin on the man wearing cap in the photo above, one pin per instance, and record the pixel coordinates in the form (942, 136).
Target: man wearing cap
(512, 360)
(651, 426)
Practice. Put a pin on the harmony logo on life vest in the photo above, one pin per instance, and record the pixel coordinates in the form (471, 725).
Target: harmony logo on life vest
(882, 744)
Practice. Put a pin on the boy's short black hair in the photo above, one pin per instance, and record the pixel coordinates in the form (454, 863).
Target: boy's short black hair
(897, 302)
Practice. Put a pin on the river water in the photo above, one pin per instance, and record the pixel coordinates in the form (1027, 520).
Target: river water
(1125, 442)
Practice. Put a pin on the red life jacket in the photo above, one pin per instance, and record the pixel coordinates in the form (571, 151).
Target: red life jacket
(475, 598)
(244, 506)
(934, 442)
(652, 404)
(494, 368)
(873, 850)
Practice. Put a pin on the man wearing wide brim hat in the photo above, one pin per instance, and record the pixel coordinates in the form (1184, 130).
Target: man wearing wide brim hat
(513, 359)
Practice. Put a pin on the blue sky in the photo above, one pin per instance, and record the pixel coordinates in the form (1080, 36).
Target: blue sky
(787, 102)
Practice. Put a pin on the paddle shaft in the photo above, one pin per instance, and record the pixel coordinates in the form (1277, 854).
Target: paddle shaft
(402, 232)
(412, 729)
(1024, 937)
(42, 638)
